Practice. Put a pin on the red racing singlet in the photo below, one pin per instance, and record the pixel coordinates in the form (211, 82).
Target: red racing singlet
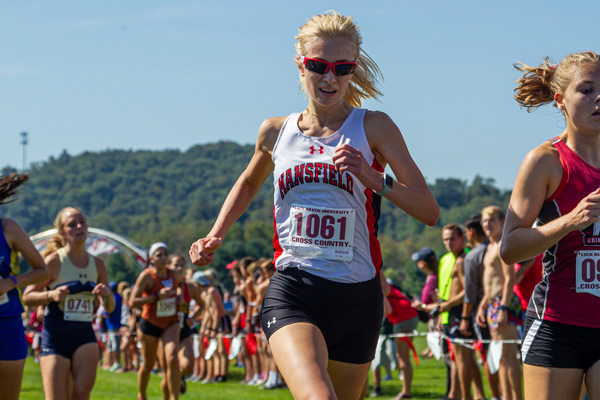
(569, 292)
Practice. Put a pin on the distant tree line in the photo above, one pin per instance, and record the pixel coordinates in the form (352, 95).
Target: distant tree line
(175, 196)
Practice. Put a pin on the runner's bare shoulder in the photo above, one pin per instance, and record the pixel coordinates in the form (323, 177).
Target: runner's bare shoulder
(268, 133)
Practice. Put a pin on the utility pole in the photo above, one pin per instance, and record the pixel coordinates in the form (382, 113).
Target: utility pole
(24, 143)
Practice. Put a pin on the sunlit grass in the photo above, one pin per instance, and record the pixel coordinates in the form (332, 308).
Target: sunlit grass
(429, 383)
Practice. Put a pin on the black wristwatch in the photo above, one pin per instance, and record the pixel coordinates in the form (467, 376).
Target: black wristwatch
(388, 184)
(465, 317)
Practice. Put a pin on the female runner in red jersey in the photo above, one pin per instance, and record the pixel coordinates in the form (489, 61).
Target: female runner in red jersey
(555, 210)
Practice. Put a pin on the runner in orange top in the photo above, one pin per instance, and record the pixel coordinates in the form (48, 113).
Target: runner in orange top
(156, 291)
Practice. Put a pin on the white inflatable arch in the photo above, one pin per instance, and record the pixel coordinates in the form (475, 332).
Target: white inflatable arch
(99, 242)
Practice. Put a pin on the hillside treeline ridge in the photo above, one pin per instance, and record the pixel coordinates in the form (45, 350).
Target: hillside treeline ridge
(175, 196)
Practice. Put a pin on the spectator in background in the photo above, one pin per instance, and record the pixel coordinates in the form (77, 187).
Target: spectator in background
(36, 321)
(198, 338)
(527, 275)
(213, 325)
(428, 263)
(239, 326)
(385, 355)
(129, 321)
(101, 333)
(223, 327)
(502, 306)
(473, 271)
(252, 323)
(266, 270)
(467, 370)
(125, 310)
(385, 352)
(474, 293)
(405, 320)
(228, 303)
(466, 367)
(187, 315)
(113, 326)
(451, 291)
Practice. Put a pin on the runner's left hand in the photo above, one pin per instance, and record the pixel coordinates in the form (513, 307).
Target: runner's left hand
(101, 290)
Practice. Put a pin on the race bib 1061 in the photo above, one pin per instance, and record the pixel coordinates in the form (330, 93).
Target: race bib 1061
(587, 272)
(166, 307)
(322, 232)
(79, 307)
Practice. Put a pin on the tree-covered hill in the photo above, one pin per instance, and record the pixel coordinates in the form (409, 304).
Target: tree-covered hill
(174, 196)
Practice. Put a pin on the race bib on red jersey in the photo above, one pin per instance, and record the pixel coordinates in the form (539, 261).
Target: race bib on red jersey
(587, 270)
(322, 232)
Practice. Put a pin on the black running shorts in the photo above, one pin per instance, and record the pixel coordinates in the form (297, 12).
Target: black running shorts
(555, 345)
(150, 329)
(349, 315)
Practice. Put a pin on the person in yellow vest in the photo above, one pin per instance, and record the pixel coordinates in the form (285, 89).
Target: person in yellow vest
(465, 371)
(451, 292)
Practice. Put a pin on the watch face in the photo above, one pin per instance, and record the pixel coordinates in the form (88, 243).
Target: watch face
(389, 182)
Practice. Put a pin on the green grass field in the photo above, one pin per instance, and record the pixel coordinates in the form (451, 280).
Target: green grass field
(429, 383)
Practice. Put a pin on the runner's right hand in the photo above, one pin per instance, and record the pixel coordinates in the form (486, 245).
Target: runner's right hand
(201, 251)
(586, 212)
(59, 294)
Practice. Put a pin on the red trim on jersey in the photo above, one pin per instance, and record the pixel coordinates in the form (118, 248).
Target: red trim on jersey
(276, 245)
(378, 167)
(374, 246)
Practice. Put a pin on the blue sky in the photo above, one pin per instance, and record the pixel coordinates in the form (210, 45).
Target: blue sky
(83, 75)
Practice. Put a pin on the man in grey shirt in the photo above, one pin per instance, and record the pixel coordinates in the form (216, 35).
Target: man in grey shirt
(473, 266)
(473, 270)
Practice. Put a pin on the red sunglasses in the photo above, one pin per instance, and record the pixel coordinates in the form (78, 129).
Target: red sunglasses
(321, 67)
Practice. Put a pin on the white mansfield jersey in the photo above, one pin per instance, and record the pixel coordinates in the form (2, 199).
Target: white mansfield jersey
(325, 223)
